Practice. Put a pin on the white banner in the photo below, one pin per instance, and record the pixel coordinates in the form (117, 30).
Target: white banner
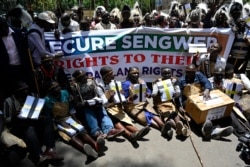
(146, 48)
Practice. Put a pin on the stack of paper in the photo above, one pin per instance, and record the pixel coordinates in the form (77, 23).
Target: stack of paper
(117, 87)
(166, 88)
(74, 124)
(94, 101)
(31, 108)
(140, 91)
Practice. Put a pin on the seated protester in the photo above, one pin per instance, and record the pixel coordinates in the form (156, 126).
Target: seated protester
(198, 83)
(138, 107)
(218, 78)
(208, 62)
(89, 107)
(35, 133)
(116, 109)
(57, 105)
(50, 72)
(240, 118)
(166, 108)
(12, 149)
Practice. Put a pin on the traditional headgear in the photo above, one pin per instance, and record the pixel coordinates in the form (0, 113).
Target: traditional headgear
(235, 6)
(125, 9)
(174, 9)
(246, 10)
(194, 15)
(21, 14)
(229, 67)
(203, 7)
(222, 11)
(105, 71)
(78, 73)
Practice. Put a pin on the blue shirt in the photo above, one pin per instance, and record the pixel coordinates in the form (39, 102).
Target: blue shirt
(199, 78)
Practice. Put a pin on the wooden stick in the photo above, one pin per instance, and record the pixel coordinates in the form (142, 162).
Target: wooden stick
(33, 70)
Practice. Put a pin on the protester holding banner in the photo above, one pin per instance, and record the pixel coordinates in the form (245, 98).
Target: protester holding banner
(36, 40)
(89, 107)
(114, 101)
(138, 108)
(34, 132)
(165, 92)
(57, 105)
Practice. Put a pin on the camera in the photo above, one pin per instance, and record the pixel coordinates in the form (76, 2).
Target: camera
(244, 148)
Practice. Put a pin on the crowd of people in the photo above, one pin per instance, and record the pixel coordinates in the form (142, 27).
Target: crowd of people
(85, 112)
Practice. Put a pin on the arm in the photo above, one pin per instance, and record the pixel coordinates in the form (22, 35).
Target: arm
(204, 81)
(35, 41)
(207, 85)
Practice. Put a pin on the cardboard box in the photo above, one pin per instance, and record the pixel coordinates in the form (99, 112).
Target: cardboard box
(220, 105)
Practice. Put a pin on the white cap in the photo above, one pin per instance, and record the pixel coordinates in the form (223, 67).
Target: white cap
(45, 16)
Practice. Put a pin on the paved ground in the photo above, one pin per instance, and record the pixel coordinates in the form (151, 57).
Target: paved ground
(156, 151)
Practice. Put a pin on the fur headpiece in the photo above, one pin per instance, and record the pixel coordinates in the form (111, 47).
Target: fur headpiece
(235, 6)
(126, 8)
(203, 7)
(175, 9)
(116, 13)
(194, 16)
(137, 7)
(222, 11)
(102, 8)
(246, 10)
(20, 13)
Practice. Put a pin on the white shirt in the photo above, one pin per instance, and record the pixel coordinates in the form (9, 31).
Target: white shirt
(10, 45)
(220, 61)
(74, 26)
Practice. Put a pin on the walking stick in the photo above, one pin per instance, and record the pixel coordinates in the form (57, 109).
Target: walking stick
(33, 70)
